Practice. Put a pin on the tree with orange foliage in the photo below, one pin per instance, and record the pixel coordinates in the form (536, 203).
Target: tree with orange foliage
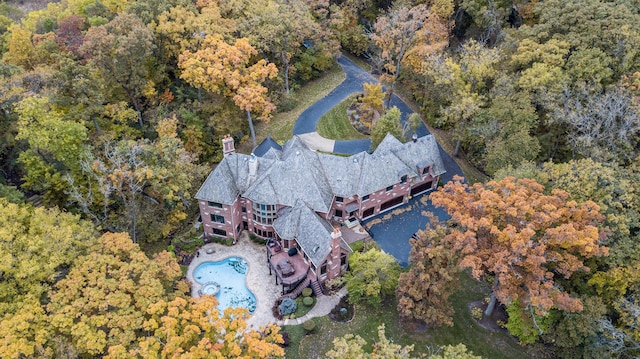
(526, 240)
(194, 328)
(226, 69)
(423, 292)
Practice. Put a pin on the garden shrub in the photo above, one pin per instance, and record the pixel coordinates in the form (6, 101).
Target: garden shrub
(288, 306)
(309, 326)
(308, 301)
(521, 324)
(357, 246)
(190, 246)
(476, 313)
(307, 292)
(258, 240)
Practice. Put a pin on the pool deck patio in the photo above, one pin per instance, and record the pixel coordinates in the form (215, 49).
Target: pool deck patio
(258, 279)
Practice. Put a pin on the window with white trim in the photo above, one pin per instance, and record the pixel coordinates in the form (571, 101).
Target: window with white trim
(216, 218)
(215, 204)
(264, 213)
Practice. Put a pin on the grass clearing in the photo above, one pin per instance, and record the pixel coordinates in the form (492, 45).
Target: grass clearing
(367, 319)
(335, 124)
(280, 127)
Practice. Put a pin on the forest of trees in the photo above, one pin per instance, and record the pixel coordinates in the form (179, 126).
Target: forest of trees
(112, 111)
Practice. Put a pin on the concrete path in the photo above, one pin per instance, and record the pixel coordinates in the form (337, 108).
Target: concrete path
(323, 307)
(316, 142)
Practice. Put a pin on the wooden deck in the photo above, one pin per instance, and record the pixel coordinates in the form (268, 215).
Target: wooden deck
(298, 263)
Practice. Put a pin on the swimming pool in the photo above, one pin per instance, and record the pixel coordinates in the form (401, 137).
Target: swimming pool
(226, 280)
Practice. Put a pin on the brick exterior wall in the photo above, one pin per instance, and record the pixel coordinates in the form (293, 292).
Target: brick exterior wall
(226, 211)
(378, 198)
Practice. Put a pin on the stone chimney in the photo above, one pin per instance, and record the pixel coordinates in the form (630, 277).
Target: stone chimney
(228, 146)
(333, 262)
(253, 167)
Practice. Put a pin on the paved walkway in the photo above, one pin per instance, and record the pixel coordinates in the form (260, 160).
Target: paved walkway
(323, 307)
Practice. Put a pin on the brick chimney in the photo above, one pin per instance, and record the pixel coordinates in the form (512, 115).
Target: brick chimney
(333, 263)
(228, 147)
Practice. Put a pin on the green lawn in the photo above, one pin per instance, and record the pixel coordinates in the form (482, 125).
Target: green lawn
(280, 128)
(335, 123)
(367, 319)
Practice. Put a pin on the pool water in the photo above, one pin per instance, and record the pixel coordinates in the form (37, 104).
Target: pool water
(226, 280)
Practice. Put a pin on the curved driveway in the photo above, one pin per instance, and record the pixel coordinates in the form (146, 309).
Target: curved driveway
(392, 234)
(308, 121)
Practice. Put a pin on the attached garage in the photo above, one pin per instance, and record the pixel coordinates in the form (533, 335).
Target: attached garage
(421, 188)
(368, 212)
(391, 203)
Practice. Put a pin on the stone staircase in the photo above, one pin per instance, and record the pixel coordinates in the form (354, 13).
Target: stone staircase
(298, 290)
(317, 289)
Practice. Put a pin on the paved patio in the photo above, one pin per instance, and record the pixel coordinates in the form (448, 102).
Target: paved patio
(258, 279)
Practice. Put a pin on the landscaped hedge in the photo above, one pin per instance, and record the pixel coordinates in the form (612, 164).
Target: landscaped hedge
(309, 326)
(225, 241)
(308, 301)
(307, 292)
(258, 240)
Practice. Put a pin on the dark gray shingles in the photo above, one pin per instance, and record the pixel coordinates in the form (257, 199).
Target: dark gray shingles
(343, 173)
(220, 186)
(266, 145)
(311, 231)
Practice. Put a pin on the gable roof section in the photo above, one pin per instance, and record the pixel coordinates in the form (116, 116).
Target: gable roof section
(388, 143)
(382, 168)
(230, 178)
(298, 175)
(266, 145)
(220, 186)
(343, 173)
(422, 153)
(311, 231)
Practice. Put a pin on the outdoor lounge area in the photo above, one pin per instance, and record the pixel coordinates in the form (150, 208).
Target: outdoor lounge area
(289, 266)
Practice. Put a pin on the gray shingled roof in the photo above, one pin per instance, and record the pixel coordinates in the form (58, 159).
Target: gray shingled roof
(230, 178)
(343, 173)
(421, 153)
(392, 159)
(297, 173)
(264, 146)
(311, 231)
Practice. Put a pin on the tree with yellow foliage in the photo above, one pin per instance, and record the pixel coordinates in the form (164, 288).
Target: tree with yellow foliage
(195, 328)
(38, 246)
(104, 298)
(403, 32)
